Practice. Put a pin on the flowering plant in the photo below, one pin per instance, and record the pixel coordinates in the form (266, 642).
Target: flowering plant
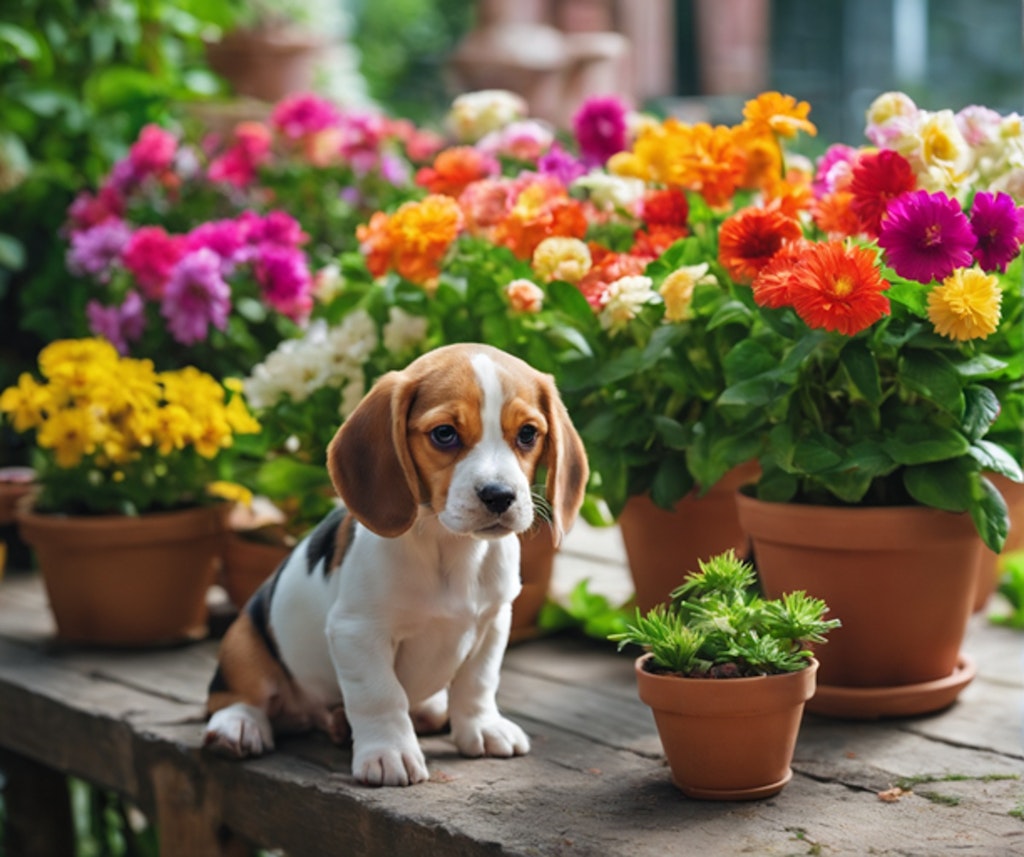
(193, 253)
(114, 436)
(885, 368)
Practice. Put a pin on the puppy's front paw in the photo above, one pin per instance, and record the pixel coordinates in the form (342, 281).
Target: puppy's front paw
(497, 736)
(239, 730)
(400, 764)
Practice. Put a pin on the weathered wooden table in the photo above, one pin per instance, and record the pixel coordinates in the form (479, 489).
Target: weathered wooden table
(595, 783)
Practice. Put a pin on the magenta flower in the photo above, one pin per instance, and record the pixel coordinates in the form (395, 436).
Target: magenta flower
(227, 238)
(996, 223)
(151, 255)
(94, 252)
(284, 276)
(118, 324)
(600, 129)
(561, 164)
(276, 227)
(87, 210)
(153, 151)
(926, 236)
(196, 297)
(299, 115)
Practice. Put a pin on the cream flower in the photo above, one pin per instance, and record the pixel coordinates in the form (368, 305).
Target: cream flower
(476, 114)
(403, 331)
(626, 297)
(945, 158)
(561, 258)
(611, 192)
(677, 290)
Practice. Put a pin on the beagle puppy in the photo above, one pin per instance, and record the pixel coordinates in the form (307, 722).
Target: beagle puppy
(392, 616)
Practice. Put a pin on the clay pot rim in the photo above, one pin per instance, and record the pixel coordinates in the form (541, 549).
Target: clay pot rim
(812, 663)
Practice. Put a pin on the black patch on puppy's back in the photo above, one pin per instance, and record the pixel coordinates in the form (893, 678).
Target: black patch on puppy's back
(323, 542)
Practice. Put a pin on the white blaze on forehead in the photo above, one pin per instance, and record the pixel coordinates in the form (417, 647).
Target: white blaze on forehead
(486, 372)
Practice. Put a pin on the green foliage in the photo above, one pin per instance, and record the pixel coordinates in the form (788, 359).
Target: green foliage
(590, 612)
(717, 625)
(1011, 587)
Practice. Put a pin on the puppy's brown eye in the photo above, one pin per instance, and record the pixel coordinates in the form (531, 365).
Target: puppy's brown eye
(527, 437)
(444, 437)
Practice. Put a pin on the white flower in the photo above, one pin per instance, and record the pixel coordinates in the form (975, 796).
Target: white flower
(612, 192)
(403, 331)
(626, 297)
(475, 114)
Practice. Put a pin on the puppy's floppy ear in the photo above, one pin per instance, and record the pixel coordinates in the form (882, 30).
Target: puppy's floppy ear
(369, 459)
(566, 461)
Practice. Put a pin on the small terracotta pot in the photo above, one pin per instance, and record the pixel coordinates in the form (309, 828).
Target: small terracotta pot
(247, 563)
(663, 547)
(987, 578)
(116, 580)
(728, 738)
(537, 561)
(900, 579)
(267, 65)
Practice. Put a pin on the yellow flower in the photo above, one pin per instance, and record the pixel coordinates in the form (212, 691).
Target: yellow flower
(677, 290)
(778, 113)
(966, 305)
(230, 491)
(72, 434)
(239, 417)
(559, 258)
(172, 428)
(25, 403)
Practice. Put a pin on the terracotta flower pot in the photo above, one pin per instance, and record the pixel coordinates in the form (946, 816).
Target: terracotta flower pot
(728, 738)
(247, 563)
(662, 546)
(267, 65)
(901, 580)
(987, 578)
(122, 581)
(536, 567)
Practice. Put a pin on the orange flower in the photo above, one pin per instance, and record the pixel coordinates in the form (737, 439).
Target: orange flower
(834, 214)
(839, 288)
(771, 286)
(456, 168)
(748, 239)
(542, 210)
(413, 240)
(607, 268)
(656, 239)
(375, 243)
(780, 114)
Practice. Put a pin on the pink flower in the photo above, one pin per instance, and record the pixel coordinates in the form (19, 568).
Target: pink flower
(276, 227)
(302, 114)
(926, 236)
(283, 274)
(96, 250)
(151, 255)
(835, 166)
(525, 296)
(118, 324)
(153, 151)
(227, 238)
(600, 129)
(88, 210)
(238, 165)
(196, 297)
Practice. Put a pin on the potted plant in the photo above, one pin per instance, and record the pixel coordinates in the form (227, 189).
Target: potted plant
(882, 372)
(727, 674)
(125, 532)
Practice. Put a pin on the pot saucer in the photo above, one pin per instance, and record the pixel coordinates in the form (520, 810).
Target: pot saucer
(754, 793)
(907, 700)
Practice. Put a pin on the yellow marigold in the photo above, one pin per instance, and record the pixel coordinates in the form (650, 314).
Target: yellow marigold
(421, 233)
(172, 428)
(778, 113)
(966, 305)
(25, 403)
(61, 356)
(230, 491)
(677, 290)
(72, 434)
(561, 258)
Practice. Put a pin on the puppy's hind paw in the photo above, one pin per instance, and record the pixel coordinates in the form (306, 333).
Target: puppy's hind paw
(496, 737)
(239, 731)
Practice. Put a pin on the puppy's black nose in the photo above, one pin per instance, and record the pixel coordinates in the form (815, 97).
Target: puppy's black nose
(496, 496)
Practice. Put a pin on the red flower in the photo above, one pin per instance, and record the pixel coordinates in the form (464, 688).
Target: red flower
(877, 178)
(750, 238)
(771, 287)
(839, 288)
(666, 207)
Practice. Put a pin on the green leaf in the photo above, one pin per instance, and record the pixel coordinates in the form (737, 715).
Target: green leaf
(23, 42)
(910, 294)
(981, 408)
(670, 432)
(934, 377)
(672, 481)
(919, 443)
(991, 517)
(862, 367)
(732, 312)
(995, 458)
(944, 485)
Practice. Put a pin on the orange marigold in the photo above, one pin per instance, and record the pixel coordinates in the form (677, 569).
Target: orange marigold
(542, 210)
(413, 240)
(751, 237)
(839, 287)
(456, 168)
(779, 114)
(834, 215)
